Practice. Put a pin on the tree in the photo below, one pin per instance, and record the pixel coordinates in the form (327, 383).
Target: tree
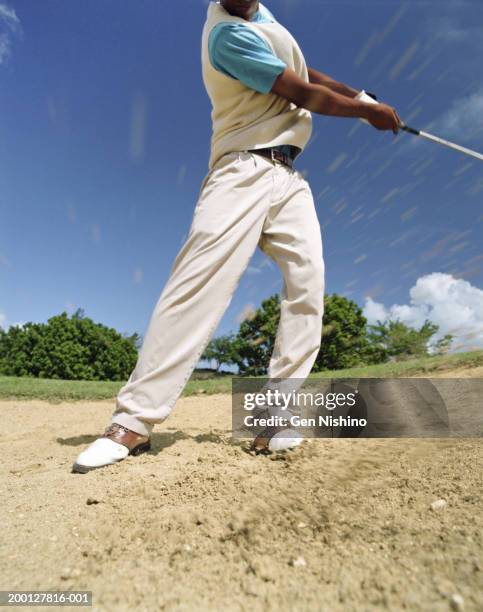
(73, 348)
(442, 346)
(347, 341)
(344, 340)
(396, 339)
(344, 335)
(135, 339)
(256, 338)
(222, 350)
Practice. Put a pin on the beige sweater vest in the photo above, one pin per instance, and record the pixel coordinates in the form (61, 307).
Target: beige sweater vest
(243, 118)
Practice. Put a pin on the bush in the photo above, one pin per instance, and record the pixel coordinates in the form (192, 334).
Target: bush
(66, 348)
(394, 339)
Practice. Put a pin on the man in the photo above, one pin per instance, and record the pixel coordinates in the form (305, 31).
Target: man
(262, 95)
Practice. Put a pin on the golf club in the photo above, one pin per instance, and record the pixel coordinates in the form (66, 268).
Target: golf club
(371, 98)
(441, 141)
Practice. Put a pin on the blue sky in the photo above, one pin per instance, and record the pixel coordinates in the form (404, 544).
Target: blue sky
(104, 142)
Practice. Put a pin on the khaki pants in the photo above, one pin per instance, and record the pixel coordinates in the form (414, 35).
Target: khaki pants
(245, 200)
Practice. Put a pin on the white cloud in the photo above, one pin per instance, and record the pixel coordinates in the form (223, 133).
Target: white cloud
(9, 26)
(449, 30)
(3, 320)
(455, 305)
(8, 14)
(374, 311)
(463, 118)
(462, 40)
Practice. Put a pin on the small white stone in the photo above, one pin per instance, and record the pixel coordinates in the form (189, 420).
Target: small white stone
(298, 562)
(439, 504)
(457, 602)
(301, 525)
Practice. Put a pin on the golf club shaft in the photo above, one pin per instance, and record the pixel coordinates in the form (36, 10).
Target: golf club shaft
(443, 142)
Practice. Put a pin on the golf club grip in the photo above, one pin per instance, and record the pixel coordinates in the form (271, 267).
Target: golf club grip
(411, 130)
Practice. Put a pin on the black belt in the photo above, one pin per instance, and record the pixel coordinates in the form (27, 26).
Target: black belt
(276, 155)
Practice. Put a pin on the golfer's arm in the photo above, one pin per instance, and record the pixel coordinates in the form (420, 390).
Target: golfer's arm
(317, 98)
(319, 78)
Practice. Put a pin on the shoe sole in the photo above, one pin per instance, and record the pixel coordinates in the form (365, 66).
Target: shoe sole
(77, 468)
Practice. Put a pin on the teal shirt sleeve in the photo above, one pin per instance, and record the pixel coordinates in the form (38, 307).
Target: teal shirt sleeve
(238, 52)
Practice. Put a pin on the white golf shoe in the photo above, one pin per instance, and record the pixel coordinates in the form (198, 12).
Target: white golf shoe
(276, 439)
(113, 446)
(286, 440)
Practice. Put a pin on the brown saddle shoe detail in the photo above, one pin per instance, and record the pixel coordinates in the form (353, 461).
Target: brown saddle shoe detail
(136, 443)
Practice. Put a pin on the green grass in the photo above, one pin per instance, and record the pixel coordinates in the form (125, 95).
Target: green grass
(411, 367)
(12, 387)
(61, 390)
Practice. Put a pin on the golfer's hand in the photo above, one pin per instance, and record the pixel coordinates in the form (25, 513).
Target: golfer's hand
(383, 117)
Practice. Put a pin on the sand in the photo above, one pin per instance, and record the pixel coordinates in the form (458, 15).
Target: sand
(200, 524)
